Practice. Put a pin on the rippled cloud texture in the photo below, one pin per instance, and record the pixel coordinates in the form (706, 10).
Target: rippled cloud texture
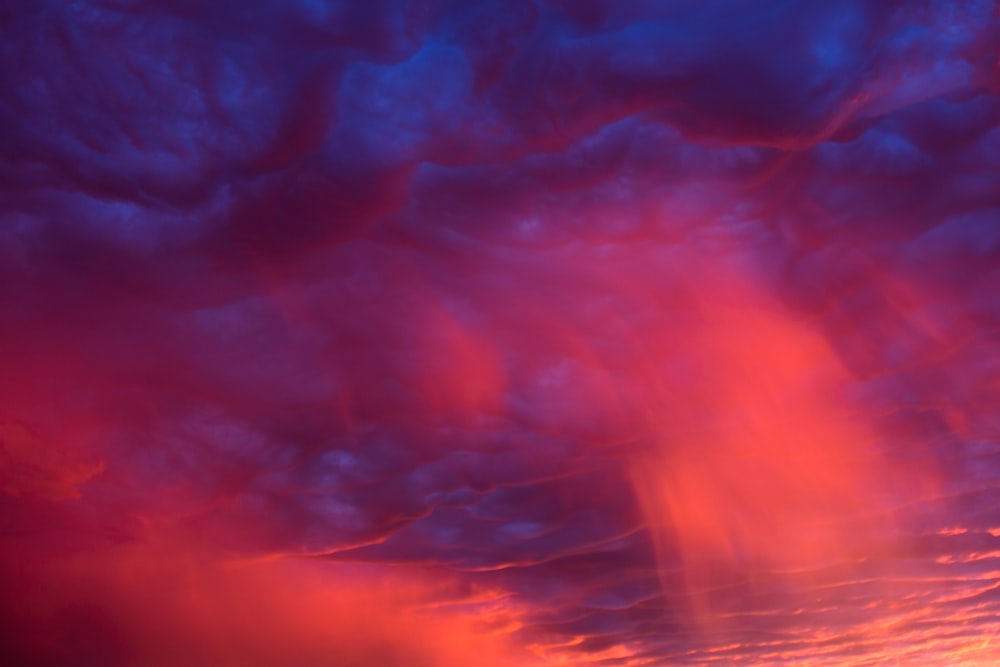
(499, 333)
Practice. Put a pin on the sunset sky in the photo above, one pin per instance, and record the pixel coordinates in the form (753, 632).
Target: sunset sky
(499, 333)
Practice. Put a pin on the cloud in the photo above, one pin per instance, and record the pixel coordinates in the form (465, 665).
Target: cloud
(555, 332)
(167, 603)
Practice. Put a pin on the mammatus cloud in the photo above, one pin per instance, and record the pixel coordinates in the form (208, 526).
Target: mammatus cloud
(499, 333)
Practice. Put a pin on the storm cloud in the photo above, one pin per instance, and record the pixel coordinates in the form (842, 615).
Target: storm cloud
(519, 333)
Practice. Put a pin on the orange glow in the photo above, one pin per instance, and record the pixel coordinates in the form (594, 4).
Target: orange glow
(762, 464)
(182, 605)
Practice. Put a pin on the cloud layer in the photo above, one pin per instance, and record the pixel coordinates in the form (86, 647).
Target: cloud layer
(499, 333)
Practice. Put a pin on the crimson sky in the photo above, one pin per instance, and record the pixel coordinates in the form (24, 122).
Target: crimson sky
(499, 333)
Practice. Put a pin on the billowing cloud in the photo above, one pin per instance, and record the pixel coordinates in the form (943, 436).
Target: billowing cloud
(499, 333)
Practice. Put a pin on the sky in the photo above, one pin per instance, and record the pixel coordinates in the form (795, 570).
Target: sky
(502, 333)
